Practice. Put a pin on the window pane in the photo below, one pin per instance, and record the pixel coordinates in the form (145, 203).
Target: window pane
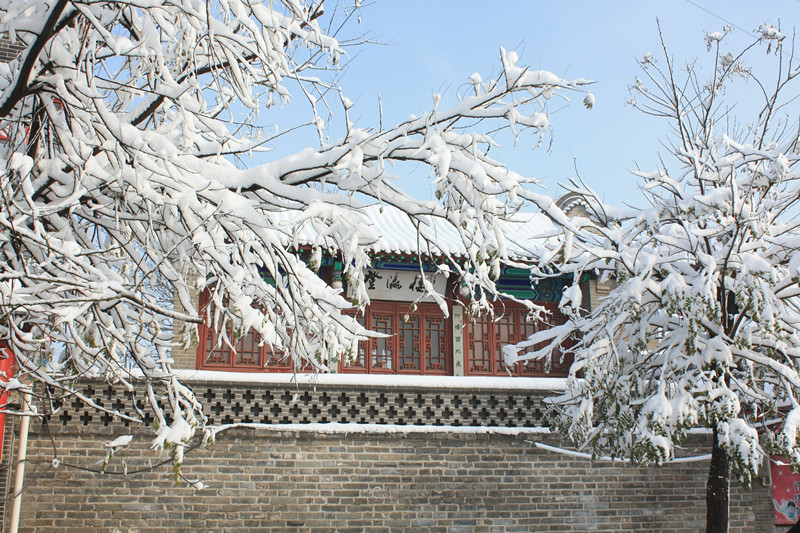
(276, 359)
(480, 346)
(435, 343)
(382, 347)
(247, 350)
(360, 359)
(558, 367)
(504, 334)
(528, 328)
(409, 344)
(218, 355)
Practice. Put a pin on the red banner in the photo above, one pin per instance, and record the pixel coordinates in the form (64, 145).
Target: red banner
(785, 491)
(7, 363)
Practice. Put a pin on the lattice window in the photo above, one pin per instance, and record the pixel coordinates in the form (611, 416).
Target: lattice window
(243, 354)
(408, 340)
(485, 338)
(479, 346)
(562, 357)
(436, 344)
(358, 361)
(531, 368)
(506, 331)
(382, 348)
(418, 341)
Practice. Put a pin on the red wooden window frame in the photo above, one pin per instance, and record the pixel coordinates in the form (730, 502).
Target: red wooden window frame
(244, 356)
(485, 336)
(412, 345)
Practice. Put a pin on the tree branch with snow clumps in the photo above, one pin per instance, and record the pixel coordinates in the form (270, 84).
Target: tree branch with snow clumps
(702, 328)
(127, 122)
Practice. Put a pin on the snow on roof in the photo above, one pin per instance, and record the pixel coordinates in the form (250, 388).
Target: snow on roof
(393, 232)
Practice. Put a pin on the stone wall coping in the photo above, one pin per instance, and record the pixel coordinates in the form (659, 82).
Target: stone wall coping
(382, 381)
(334, 428)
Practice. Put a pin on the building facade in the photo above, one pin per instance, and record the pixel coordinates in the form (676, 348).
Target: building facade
(422, 339)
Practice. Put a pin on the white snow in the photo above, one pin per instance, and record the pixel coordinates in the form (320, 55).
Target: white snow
(582, 455)
(398, 381)
(119, 442)
(387, 229)
(337, 428)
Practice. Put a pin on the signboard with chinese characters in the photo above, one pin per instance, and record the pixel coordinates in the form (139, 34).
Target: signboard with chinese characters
(785, 491)
(458, 340)
(400, 285)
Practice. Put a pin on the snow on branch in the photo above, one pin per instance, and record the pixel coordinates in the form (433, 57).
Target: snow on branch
(701, 324)
(124, 194)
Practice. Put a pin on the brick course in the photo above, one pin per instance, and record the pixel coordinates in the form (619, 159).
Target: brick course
(301, 481)
(8, 50)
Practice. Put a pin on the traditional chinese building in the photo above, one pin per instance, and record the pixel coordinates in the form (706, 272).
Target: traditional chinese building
(422, 339)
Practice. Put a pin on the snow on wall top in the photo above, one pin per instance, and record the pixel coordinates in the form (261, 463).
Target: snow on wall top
(405, 381)
(386, 229)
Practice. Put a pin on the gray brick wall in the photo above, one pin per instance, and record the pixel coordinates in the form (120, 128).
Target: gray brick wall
(296, 481)
(8, 50)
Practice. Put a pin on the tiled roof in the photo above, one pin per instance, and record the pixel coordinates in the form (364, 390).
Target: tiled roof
(394, 232)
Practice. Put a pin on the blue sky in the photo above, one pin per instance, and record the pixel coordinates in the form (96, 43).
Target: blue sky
(434, 46)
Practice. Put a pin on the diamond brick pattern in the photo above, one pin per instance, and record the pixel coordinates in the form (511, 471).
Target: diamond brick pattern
(298, 404)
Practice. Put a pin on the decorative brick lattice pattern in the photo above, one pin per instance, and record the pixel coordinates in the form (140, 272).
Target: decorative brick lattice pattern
(303, 404)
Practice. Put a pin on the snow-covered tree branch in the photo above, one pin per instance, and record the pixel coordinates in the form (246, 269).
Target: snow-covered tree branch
(702, 329)
(127, 124)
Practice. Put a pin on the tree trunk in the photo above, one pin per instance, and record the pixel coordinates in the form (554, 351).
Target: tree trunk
(718, 489)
